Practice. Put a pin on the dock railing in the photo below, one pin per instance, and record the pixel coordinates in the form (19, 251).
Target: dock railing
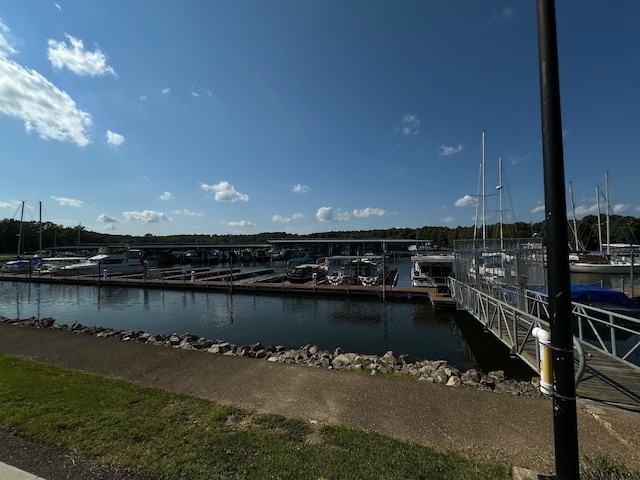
(511, 315)
(498, 314)
(613, 333)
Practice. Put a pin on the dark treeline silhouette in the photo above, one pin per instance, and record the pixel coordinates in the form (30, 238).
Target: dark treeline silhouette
(623, 229)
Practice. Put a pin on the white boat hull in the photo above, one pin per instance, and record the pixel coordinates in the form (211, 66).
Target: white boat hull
(606, 268)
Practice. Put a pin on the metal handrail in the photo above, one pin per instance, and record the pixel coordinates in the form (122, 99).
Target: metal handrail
(595, 326)
(511, 325)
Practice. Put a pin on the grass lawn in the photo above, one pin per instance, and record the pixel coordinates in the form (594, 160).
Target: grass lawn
(173, 436)
(177, 436)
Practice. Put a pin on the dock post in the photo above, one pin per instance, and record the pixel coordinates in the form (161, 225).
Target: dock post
(565, 420)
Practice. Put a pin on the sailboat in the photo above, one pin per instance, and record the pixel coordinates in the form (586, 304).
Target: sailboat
(618, 259)
(19, 265)
(492, 265)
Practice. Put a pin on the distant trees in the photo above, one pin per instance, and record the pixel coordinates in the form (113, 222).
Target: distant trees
(624, 229)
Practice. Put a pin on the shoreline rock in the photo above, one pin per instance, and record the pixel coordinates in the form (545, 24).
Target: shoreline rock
(435, 371)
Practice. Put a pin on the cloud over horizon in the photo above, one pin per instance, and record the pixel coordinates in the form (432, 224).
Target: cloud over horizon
(224, 192)
(146, 217)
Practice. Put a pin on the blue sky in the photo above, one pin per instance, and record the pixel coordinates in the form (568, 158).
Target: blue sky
(248, 116)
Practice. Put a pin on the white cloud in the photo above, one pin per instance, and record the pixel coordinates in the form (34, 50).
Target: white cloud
(328, 214)
(114, 139)
(585, 210)
(224, 192)
(146, 216)
(166, 90)
(281, 219)
(12, 204)
(368, 212)
(408, 125)
(466, 201)
(5, 47)
(58, 7)
(187, 212)
(447, 220)
(242, 223)
(505, 14)
(67, 202)
(104, 218)
(195, 94)
(619, 208)
(538, 209)
(28, 96)
(299, 188)
(446, 151)
(143, 98)
(515, 160)
(166, 196)
(110, 227)
(74, 57)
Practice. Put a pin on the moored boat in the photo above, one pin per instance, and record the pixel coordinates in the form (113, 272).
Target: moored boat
(354, 270)
(431, 269)
(304, 270)
(126, 262)
(19, 265)
(605, 264)
(50, 265)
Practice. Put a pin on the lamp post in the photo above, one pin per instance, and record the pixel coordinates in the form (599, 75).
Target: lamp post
(559, 284)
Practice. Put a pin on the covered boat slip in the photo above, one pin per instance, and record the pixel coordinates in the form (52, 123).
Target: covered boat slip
(369, 270)
(432, 269)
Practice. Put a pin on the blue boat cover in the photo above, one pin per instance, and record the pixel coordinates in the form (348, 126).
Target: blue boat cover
(589, 295)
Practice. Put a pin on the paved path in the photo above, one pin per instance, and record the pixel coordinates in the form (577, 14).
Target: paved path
(7, 472)
(484, 425)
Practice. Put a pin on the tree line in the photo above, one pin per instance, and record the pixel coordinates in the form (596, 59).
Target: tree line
(623, 229)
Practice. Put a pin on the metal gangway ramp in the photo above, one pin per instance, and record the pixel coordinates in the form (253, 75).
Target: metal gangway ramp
(610, 341)
(502, 284)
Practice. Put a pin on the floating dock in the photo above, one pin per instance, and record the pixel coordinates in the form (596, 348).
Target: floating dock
(242, 282)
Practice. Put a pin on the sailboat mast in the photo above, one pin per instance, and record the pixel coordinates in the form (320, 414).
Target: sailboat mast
(79, 230)
(575, 225)
(40, 227)
(20, 231)
(606, 186)
(501, 209)
(599, 222)
(484, 216)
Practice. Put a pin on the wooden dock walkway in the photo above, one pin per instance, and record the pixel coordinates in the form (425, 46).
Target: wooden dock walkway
(250, 283)
(606, 379)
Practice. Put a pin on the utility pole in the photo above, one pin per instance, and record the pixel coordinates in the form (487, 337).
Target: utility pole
(565, 421)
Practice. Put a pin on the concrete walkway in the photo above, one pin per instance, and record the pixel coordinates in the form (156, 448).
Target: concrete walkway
(484, 425)
(7, 472)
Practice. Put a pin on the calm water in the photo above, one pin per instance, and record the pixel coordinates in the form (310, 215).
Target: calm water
(355, 325)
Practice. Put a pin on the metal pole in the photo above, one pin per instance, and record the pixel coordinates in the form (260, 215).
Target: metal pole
(564, 398)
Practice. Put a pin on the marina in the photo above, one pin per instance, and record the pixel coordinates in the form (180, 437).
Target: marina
(370, 296)
(352, 323)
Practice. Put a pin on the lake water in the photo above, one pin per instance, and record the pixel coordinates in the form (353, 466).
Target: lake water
(367, 326)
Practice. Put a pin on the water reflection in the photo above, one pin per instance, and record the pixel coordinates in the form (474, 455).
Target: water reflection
(356, 325)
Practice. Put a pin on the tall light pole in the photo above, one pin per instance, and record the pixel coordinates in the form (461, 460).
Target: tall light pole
(564, 392)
